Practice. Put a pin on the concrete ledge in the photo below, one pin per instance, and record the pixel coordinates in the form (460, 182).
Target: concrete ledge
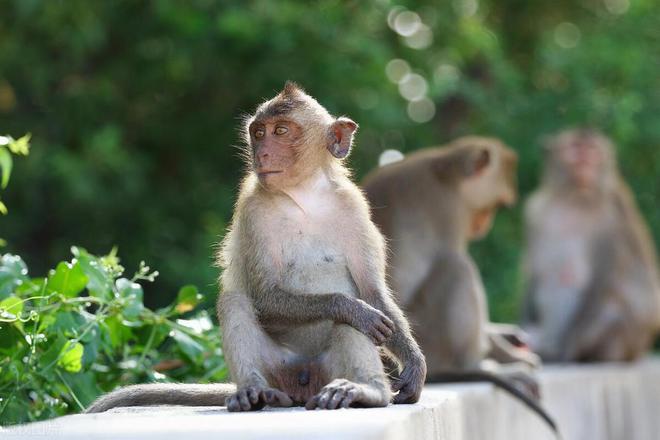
(589, 402)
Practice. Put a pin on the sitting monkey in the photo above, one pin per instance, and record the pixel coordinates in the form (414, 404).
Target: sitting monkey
(304, 301)
(429, 206)
(591, 267)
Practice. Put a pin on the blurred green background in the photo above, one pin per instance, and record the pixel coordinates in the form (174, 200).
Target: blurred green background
(134, 107)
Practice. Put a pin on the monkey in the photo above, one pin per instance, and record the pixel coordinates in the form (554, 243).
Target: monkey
(429, 206)
(593, 291)
(304, 307)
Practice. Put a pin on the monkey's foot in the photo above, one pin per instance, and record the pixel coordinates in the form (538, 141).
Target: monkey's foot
(253, 398)
(342, 393)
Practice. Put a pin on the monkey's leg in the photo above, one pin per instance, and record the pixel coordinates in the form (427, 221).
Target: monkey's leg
(251, 355)
(356, 372)
(594, 333)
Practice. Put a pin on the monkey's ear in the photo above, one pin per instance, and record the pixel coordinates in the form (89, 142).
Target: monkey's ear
(341, 137)
(477, 162)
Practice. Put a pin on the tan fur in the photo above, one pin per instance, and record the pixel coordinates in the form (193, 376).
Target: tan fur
(296, 251)
(430, 206)
(304, 301)
(593, 289)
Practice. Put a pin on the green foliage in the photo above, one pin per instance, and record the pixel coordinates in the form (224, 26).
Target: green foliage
(10, 145)
(83, 330)
(134, 107)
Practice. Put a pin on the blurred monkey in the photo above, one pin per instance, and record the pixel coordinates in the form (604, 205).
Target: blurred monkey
(430, 205)
(591, 268)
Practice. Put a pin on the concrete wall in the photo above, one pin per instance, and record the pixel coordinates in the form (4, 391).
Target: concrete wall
(589, 402)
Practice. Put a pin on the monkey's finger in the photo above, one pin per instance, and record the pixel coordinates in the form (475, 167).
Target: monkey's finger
(312, 403)
(403, 396)
(325, 398)
(243, 400)
(277, 398)
(408, 394)
(232, 404)
(397, 385)
(253, 395)
(385, 330)
(375, 338)
(337, 398)
(350, 397)
(389, 323)
(380, 337)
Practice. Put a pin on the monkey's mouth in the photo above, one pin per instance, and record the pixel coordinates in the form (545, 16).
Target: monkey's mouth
(267, 173)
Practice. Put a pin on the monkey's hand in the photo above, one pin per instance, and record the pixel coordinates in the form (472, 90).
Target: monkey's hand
(410, 382)
(367, 319)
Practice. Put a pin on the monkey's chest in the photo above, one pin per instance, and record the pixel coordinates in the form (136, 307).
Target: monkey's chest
(566, 260)
(312, 263)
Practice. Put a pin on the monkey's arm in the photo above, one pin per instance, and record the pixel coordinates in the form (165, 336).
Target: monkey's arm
(402, 345)
(367, 267)
(277, 305)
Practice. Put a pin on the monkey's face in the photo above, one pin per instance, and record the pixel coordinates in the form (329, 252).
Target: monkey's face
(490, 187)
(274, 142)
(583, 160)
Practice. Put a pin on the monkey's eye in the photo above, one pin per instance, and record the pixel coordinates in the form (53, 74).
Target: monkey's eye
(259, 133)
(281, 130)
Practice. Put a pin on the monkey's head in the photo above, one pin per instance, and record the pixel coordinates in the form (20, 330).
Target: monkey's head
(292, 136)
(580, 158)
(486, 170)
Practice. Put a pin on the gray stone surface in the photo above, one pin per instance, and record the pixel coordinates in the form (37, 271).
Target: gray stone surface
(590, 402)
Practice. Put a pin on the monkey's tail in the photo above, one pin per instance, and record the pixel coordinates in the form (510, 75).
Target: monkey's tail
(506, 385)
(164, 394)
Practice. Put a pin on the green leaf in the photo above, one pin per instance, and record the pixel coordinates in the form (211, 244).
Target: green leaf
(14, 265)
(68, 279)
(132, 295)
(116, 332)
(188, 345)
(9, 337)
(20, 145)
(71, 356)
(67, 323)
(11, 307)
(187, 299)
(45, 321)
(84, 385)
(54, 347)
(5, 166)
(99, 281)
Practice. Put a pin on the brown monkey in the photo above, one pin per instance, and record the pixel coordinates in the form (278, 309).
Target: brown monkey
(593, 288)
(304, 300)
(429, 206)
